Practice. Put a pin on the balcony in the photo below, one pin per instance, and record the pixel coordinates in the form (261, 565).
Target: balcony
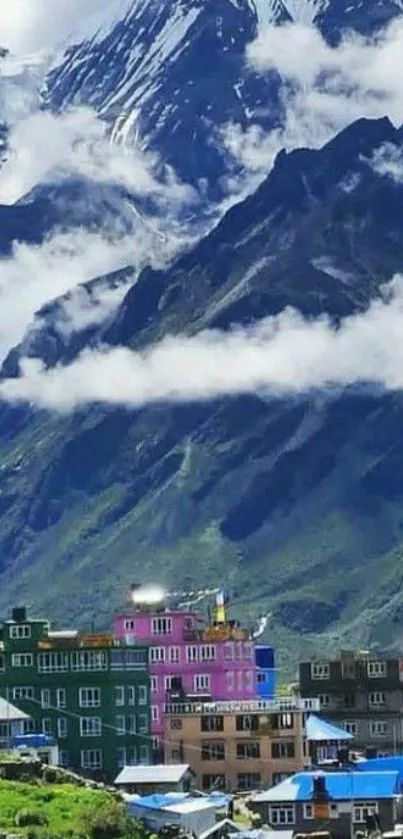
(72, 640)
(251, 706)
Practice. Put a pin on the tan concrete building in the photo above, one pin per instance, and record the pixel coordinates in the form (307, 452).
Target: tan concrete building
(238, 745)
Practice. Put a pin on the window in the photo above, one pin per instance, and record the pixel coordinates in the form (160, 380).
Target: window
(351, 727)
(168, 682)
(91, 759)
(22, 660)
(46, 725)
(90, 726)
(154, 684)
(201, 683)
(61, 698)
(248, 780)
(261, 677)
(247, 722)
(376, 669)
(282, 814)
(377, 697)
(207, 652)
(121, 757)
(155, 715)
(213, 751)
(63, 758)
(143, 724)
(212, 783)
(229, 680)
(89, 660)
(20, 630)
(131, 695)
(45, 698)
(142, 695)
(229, 651)
(285, 720)
(248, 679)
(120, 725)
(349, 700)
(131, 724)
(308, 811)
(176, 724)
(157, 654)
(144, 754)
(129, 625)
(2, 663)
(320, 670)
(174, 655)
(128, 659)
(248, 751)
(324, 699)
(192, 653)
(53, 662)
(362, 809)
(131, 756)
(212, 723)
(89, 697)
(348, 670)
(248, 650)
(238, 650)
(119, 695)
(282, 749)
(23, 693)
(378, 728)
(62, 727)
(278, 777)
(161, 626)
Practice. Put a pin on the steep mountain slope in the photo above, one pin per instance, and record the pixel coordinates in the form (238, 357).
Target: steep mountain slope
(294, 503)
(173, 75)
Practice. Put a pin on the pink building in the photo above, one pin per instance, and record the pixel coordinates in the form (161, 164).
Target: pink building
(188, 659)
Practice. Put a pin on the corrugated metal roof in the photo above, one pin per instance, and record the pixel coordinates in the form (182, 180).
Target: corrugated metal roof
(341, 786)
(382, 764)
(9, 713)
(159, 774)
(318, 730)
(179, 802)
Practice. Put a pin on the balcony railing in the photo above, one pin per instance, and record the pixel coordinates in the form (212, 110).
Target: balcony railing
(250, 706)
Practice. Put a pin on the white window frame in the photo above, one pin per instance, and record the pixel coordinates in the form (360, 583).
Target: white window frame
(378, 728)
(324, 699)
(89, 661)
(61, 697)
(62, 727)
(144, 754)
(129, 625)
(20, 630)
(120, 725)
(142, 695)
(192, 654)
(22, 660)
(45, 698)
(208, 652)
(168, 681)
(23, 692)
(229, 651)
(143, 726)
(320, 670)
(131, 695)
(202, 683)
(157, 655)
(351, 726)
(362, 809)
(131, 724)
(47, 726)
(308, 811)
(161, 625)
(174, 655)
(91, 758)
(154, 684)
(53, 662)
(119, 696)
(282, 814)
(86, 700)
(377, 698)
(376, 669)
(155, 713)
(90, 727)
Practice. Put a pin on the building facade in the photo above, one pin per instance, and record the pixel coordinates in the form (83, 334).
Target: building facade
(238, 745)
(362, 693)
(265, 672)
(91, 693)
(340, 803)
(189, 659)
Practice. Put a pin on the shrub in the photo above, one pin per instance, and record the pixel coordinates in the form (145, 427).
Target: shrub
(25, 818)
(107, 821)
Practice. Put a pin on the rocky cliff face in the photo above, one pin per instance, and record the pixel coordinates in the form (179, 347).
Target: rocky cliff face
(294, 502)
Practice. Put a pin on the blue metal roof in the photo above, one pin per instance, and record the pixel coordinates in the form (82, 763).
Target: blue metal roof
(320, 731)
(341, 786)
(159, 801)
(382, 764)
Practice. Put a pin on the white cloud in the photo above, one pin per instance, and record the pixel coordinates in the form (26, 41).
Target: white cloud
(281, 354)
(49, 147)
(387, 161)
(324, 89)
(28, 26)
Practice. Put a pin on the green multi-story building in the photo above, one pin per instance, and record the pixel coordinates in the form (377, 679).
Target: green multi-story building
(90, 692)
